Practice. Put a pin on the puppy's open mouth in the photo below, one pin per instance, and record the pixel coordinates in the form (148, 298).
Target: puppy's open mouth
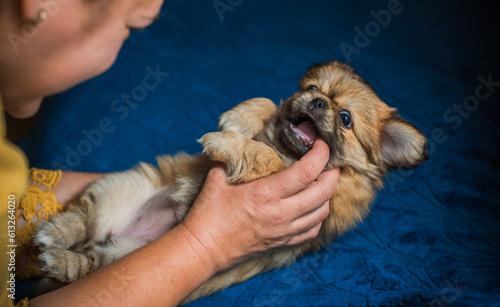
(304, 131)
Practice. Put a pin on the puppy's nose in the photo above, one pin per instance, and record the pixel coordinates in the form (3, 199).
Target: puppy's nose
(317, 103)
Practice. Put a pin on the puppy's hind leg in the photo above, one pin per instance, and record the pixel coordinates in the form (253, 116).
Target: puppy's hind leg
(67, 265)
(62, 230)
(245, 159)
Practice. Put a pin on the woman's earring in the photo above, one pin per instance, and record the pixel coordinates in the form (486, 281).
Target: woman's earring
(40, 17)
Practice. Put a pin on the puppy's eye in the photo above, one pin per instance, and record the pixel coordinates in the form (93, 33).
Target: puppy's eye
(345, 119)
(312, 88)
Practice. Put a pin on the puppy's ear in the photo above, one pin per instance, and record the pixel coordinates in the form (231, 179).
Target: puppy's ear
(403, 145)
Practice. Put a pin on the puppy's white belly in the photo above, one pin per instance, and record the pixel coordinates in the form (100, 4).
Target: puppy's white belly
(150, 224)
(154, 218)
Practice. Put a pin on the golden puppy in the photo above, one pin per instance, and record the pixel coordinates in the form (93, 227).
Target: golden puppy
(366, 137)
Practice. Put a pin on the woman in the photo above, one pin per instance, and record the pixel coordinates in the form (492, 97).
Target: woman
(49, 46)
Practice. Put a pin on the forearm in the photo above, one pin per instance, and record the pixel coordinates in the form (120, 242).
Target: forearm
(72, 183)
(65, 189)
(161, 273)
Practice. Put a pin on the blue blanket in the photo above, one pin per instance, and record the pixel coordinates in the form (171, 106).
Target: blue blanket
(433, 237)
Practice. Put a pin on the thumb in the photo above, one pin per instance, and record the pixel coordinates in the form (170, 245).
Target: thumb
(303, 172)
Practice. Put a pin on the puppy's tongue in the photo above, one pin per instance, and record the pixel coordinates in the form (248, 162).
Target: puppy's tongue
(306, 131)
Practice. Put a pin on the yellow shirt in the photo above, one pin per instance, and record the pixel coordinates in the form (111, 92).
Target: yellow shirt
(13, 174)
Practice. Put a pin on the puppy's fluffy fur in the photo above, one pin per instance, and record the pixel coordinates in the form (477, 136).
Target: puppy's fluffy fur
(123, 211)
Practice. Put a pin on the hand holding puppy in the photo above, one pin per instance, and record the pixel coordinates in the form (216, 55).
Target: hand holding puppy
(230, 224)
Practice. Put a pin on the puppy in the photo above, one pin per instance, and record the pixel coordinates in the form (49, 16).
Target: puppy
(366, 137)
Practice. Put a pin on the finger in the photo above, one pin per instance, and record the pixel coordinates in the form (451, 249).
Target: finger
(306, 235)
(301, 173)
(217, 172)
(314, 195)
(215, 181)
(311, 219)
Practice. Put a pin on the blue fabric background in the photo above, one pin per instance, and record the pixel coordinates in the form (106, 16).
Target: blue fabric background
(433, 237)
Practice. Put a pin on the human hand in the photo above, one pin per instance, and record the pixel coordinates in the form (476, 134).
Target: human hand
(229, 224)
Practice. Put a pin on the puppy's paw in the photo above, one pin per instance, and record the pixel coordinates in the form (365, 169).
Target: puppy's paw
(248, 117)
(48, 235)
(258, 161)
(222, 146)
(245, 159)
(64, 265)
(61, 230)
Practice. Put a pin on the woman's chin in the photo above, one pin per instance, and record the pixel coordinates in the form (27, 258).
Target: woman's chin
(26, 110)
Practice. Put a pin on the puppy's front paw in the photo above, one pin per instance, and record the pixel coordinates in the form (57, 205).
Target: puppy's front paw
(245, 159)
(248, 117)
(64, 265)
(222, 146)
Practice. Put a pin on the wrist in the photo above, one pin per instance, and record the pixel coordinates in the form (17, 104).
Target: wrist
(208, 258)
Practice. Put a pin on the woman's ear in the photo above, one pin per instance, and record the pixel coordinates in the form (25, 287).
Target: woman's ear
(29, 9)
(403, 145)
